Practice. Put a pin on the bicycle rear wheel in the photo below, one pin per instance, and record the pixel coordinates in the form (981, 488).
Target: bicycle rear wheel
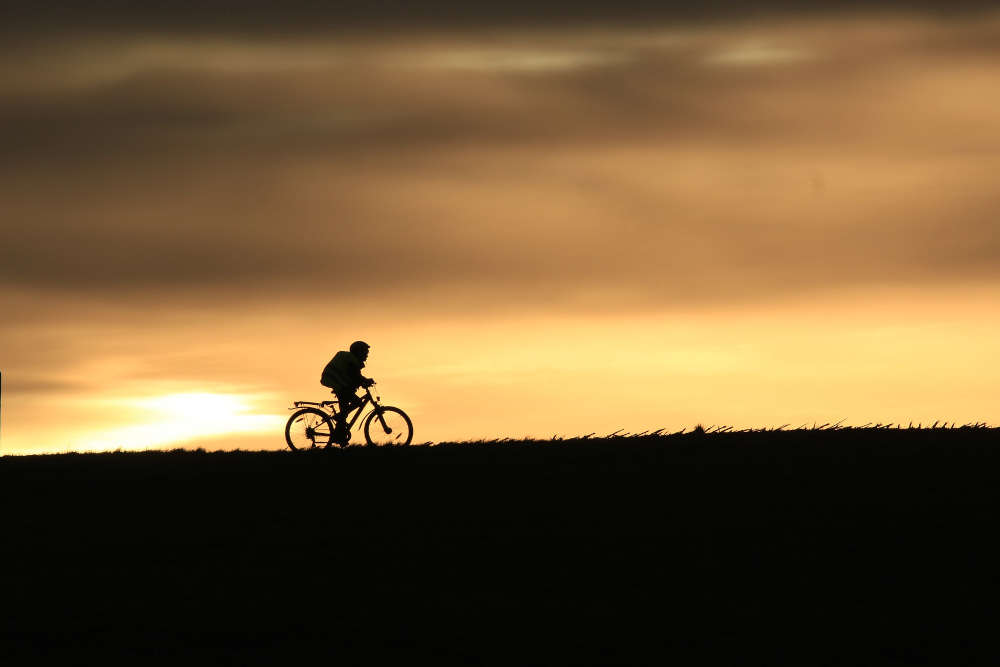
(308, 428)
(393, 428)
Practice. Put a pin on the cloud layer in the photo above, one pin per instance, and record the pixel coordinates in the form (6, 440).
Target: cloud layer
(655, 165)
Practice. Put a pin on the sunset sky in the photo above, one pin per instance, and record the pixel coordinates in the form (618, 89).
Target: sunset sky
(545, 219)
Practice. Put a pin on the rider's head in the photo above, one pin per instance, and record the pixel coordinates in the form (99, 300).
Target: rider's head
(359, 349)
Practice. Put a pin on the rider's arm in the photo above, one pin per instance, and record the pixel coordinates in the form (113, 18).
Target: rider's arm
(360, 380)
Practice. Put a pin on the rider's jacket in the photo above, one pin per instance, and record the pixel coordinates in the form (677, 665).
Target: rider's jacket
(343, 372)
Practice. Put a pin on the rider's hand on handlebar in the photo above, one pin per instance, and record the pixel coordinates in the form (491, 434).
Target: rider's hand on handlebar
(368, 382)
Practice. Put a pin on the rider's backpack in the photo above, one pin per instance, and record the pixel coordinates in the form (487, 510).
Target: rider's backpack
(327, 378)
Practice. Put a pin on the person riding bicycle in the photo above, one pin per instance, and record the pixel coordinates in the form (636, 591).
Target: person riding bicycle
(343, 375)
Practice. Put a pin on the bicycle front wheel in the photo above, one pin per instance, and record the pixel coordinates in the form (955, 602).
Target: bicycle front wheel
(388, 426)
(308, 428)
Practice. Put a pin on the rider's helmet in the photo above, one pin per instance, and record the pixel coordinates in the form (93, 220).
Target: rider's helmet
(359, 348)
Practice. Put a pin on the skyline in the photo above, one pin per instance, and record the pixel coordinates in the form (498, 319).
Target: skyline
(744, 222)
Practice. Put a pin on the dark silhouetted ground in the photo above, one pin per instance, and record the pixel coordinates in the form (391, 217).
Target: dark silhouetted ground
(867, 546)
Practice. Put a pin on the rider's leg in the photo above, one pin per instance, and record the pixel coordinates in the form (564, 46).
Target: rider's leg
(346, 402)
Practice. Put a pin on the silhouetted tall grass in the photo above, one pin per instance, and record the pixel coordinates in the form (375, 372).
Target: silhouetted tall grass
(662, 435)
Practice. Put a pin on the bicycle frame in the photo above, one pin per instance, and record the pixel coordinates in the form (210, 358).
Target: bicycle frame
(358, 410)
(395, 427)
(365, 400)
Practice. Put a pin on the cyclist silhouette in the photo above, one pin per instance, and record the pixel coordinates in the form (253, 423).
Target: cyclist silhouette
(343, 375)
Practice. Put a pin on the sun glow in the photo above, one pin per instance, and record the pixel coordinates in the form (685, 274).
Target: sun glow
(180, 417)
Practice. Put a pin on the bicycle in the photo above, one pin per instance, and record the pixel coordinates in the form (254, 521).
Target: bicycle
(314, 426)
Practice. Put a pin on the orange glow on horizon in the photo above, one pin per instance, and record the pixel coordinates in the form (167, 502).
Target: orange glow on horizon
(165, 421)
(897, 357)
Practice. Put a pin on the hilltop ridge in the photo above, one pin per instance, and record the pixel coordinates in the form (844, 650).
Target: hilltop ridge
(702, 546)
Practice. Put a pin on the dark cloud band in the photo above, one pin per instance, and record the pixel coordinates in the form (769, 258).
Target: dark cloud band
(663, 167)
